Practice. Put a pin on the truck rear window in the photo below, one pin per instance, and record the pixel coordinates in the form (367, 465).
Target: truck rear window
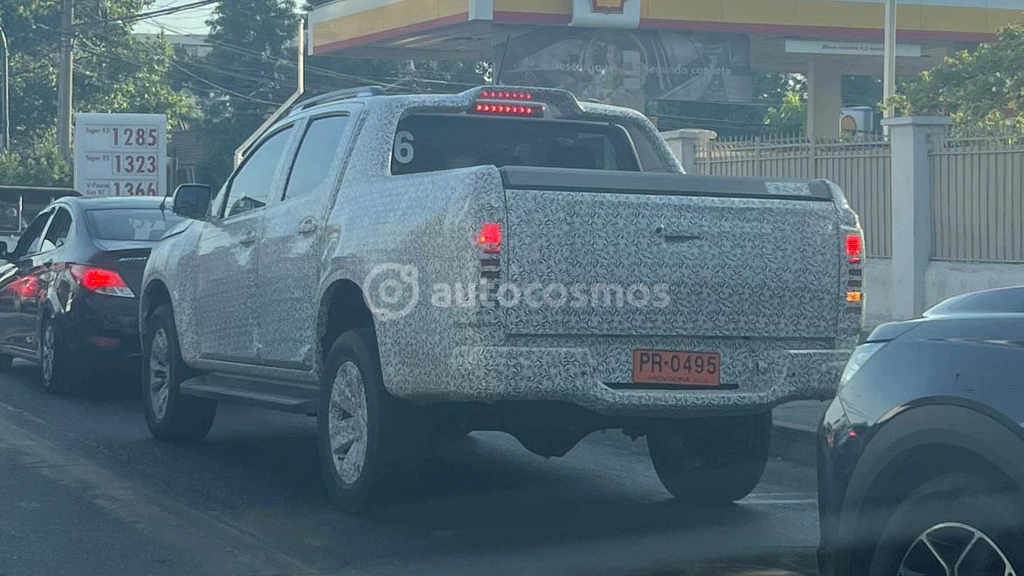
(427, 143)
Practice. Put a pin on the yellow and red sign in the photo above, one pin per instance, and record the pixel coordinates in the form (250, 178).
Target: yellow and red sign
(608, 6)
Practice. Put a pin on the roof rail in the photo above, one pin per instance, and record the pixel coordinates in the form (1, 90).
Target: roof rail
(340, 95)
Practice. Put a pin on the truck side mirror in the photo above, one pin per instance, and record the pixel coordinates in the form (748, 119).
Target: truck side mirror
(192, 201)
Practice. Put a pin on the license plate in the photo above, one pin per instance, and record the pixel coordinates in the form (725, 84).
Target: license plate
(670, 367)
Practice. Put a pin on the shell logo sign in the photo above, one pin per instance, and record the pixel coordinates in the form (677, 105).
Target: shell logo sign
(606, 13)
(608, 6)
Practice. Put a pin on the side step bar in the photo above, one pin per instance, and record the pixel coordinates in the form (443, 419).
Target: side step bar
(284, 398)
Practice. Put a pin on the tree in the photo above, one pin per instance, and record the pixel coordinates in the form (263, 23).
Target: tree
(114, 72)
(790, 117)
(36, 164)
(247, 75)
(983, 88)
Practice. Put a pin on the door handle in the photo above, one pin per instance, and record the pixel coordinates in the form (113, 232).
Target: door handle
(307, 226)
(248, 237)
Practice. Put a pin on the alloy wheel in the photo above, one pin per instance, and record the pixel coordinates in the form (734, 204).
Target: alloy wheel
(955, 549)
(49, 340)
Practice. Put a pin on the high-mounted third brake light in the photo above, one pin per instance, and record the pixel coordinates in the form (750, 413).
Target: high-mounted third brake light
(509, 109)
(101, 281)
(505, 95)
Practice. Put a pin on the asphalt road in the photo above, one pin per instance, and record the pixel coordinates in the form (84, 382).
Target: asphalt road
(84, 490)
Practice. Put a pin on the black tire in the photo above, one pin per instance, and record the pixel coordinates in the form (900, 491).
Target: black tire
(178, 418)
(59, 372)
(354, 354)
(957, 500)
(713, 460)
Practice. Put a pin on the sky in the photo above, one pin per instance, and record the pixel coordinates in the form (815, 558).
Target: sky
(188, 22)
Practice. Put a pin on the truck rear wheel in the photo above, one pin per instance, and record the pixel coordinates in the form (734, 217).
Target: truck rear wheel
(713, 460)
(357, 432)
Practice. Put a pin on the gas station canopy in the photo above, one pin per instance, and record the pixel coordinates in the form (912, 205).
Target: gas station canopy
(462, 29)
(629, 52)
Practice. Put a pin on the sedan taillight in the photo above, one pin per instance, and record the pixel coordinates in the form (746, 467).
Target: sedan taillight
(101, 281)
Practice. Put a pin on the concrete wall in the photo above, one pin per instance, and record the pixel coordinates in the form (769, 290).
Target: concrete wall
(942, 280)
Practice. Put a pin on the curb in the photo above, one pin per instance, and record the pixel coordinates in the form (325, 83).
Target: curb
(794, 443)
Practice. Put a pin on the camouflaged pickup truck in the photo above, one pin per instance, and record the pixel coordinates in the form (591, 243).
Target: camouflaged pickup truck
(412, 268)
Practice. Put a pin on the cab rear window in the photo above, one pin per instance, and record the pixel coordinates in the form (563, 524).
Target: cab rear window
(427, 143)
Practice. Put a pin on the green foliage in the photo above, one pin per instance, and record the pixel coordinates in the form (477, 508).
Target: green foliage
(113, 72)
(980, 89)
(789, 118)
(249, 72)
(36, 163)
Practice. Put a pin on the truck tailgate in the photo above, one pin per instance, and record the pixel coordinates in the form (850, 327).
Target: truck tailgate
(669, 255)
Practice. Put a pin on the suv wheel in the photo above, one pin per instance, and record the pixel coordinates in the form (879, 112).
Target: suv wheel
(170, 415)
(355, 424)
(955, 524)
(712, 460)
(55, 361)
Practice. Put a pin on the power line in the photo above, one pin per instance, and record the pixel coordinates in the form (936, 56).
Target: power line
(95, 52)
(147, 15)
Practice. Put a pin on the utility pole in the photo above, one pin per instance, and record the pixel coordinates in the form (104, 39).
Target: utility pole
(5, 94)
(889, 76)
(300, 89)
(64, 83)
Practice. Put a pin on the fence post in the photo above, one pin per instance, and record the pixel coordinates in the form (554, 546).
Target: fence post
(910, 139)
(686, 144)
(757, 156)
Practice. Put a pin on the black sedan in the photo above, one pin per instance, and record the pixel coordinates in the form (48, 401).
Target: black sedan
(921, 454)
(69, 288)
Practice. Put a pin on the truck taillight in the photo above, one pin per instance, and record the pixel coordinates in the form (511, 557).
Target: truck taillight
(101, 281)
(490, 237)
(854, 246)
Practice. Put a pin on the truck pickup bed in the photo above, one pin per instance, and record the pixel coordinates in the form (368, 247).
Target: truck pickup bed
(515, 260)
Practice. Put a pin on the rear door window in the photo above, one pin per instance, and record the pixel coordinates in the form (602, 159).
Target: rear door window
(57, 232)
(317, 152)
(427, 143)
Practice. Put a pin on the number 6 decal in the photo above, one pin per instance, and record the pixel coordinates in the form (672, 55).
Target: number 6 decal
(404, 152)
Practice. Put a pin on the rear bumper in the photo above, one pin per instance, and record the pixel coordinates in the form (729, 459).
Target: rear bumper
(494, 374)
(100, 329)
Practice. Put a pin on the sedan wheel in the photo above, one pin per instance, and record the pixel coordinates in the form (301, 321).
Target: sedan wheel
(57, 373)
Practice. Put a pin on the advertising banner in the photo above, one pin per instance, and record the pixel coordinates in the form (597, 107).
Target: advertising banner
(627, 67)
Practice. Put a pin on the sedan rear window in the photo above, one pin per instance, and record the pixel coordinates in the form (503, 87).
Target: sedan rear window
(431, 142)
(147, 225)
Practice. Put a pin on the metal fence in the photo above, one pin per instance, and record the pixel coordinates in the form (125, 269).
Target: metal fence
(978, 199)
(861, 168)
